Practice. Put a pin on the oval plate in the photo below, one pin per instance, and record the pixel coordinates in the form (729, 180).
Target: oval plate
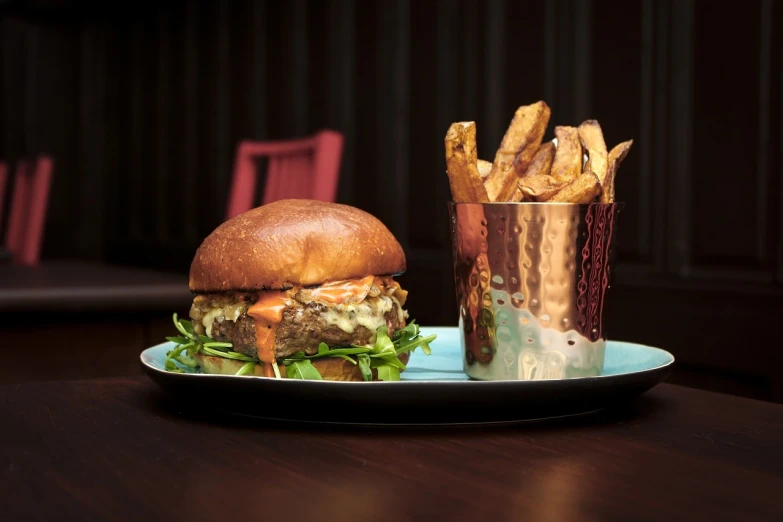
(433, 390)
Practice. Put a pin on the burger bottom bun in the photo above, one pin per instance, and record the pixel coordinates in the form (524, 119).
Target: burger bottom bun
(330, 368)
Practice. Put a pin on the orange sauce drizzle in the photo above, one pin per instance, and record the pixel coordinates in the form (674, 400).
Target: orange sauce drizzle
(268, 313)
(339, 291)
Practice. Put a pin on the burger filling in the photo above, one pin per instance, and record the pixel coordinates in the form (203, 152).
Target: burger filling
(311, 316)
(361, 321)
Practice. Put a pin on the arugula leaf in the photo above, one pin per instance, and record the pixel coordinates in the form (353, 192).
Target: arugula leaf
(297, 356)
(382, 355)
(191, 343)
(176, 355)
(348, 351)
(170, 366)
(185, 327)
(215, 344)
(410, 331)
(228, 355)
(303, 370)
(187, 361)
(346, 357)
(335, 352)
(411, 345)
(387, 372)
(364, 366)
(384, 352)
(383, 343)
(247, 369)
(178, 325)
(393, 361)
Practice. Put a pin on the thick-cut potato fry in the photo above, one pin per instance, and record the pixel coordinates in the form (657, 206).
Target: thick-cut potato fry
(575, 167)
(540, 187)
(461, 164)
(522, 139)
(541, 163)
(582, 190)
(592, 138)
(567, 165)
(616, 157)
(538, 171)
(538, 115)
(484, 168)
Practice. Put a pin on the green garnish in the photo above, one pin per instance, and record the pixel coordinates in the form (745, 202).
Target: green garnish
(387, 372)
(228, 355)
(364, 366)
(383, 355)
(247, 368)
(303, 369)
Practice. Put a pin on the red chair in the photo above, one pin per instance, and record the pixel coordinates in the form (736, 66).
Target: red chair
(27, 213)
(307, 169)
(3, 181)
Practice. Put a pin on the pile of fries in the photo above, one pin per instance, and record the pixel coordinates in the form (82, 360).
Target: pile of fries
(575, 167)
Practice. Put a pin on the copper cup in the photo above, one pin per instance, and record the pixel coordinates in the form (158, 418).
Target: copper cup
(531, 282)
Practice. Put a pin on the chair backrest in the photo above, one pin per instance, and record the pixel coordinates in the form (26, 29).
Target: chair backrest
(308, 168)
(3, 184)
(27, 213)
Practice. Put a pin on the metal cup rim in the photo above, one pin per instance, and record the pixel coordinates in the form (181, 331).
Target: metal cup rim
(535, 203)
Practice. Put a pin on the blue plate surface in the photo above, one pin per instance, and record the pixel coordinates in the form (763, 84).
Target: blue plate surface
(434, 389)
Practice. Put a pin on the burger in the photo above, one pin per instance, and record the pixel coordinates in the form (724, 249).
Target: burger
(298, 289)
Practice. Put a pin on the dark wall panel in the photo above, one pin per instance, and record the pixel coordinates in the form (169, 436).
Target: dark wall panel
(728, 117)
(622, 58)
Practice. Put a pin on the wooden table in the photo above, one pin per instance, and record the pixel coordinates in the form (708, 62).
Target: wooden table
(83, 320)
(118, 449)
(75, 286)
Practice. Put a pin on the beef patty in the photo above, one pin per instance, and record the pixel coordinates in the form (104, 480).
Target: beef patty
(303, 327)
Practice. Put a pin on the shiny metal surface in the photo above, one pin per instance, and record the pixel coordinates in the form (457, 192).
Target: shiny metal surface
(531, 281)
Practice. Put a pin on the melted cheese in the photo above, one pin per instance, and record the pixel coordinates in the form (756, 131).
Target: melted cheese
(369, 314)
(268, 313)
(401, 314)
(232, 312)
(209, 318)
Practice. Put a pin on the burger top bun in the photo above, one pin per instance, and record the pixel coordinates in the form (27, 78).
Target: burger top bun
(294, 242)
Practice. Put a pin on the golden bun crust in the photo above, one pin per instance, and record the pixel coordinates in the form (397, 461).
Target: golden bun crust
(294, 242)
(330, 368)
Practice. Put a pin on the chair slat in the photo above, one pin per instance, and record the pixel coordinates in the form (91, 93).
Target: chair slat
(307, 168)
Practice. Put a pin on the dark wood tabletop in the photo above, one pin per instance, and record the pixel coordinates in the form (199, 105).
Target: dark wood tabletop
(83, 287)
(118, 449)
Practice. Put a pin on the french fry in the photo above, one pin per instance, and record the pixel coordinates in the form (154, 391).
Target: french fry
(541, 163)
(536, 184)
(616, 157)
(484, 168)
(567, 165)
(592, 138)
(540, 187)
(461, 164)
(575, 167)
(582, 190)
(522, 139)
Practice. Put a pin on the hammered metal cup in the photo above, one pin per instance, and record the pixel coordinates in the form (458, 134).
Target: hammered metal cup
(531, 282)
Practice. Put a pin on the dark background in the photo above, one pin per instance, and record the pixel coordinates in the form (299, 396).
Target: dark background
(142, 108)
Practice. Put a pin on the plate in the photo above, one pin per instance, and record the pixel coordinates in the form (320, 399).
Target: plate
(433, 390)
